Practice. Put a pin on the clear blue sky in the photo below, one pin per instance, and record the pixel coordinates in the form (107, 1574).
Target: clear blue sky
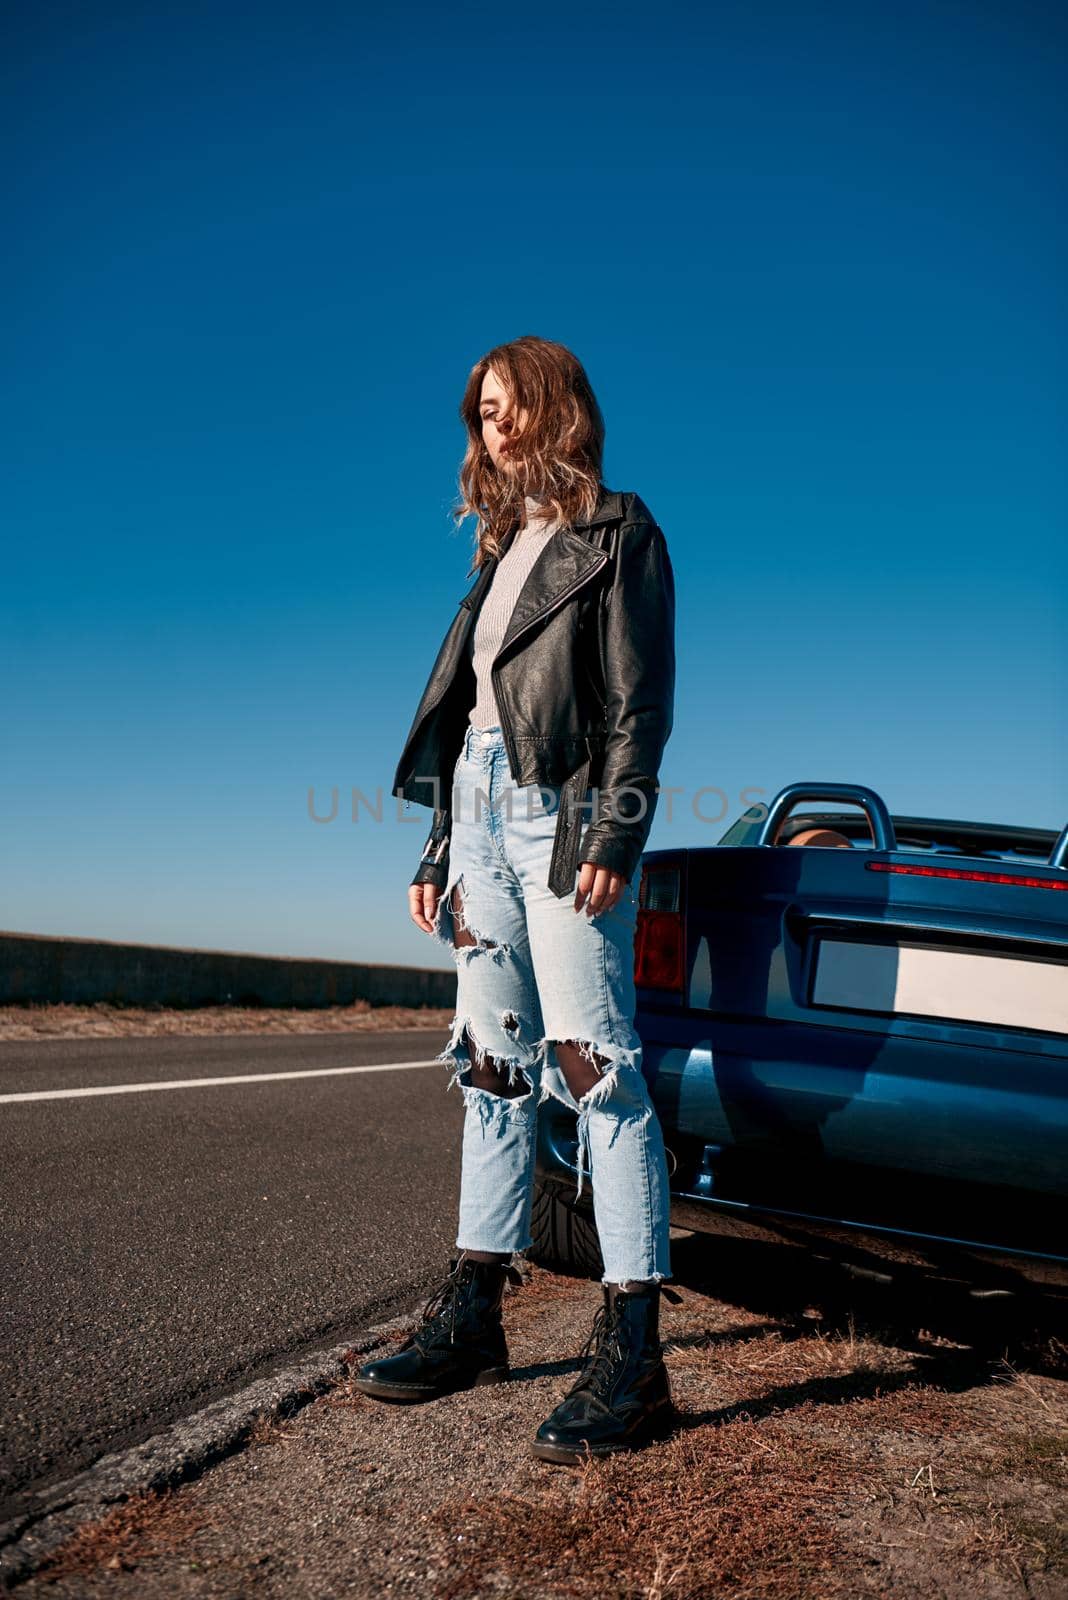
(814, 261)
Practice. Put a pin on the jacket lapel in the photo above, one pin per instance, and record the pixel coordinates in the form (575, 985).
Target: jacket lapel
(564, 565)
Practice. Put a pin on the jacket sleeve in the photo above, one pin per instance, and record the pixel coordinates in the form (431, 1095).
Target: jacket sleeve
(639, 676)
(434, 862)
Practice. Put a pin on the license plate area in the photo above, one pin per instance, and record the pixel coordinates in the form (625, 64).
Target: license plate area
(906, 977)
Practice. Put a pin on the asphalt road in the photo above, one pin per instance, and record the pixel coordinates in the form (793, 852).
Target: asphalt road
(160, 1248)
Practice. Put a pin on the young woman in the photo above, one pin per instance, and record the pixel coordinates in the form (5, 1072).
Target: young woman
(537, 744)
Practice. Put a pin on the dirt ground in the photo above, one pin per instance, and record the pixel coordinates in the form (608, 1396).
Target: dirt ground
(827, 1446)
(104, 1021)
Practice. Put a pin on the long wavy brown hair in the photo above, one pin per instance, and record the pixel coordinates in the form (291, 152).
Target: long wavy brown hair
(558, 455)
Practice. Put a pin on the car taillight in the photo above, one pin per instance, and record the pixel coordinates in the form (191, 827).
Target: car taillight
(658, 940)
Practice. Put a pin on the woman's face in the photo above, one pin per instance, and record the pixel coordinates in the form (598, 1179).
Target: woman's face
(499, 424)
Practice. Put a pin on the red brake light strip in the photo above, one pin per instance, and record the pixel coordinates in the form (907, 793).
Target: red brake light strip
(971, 874)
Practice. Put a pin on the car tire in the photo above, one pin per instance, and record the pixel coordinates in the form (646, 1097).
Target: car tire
(565, 1240)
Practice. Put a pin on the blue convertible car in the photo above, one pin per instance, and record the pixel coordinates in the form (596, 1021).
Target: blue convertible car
(855, 1031)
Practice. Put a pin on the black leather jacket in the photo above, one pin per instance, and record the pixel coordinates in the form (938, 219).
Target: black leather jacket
(584, 681)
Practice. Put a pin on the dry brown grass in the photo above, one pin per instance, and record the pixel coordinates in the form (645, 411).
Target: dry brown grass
(147, 1527)
(740, 1509)
(807, 1463)
(1041, 1457)
(267, 1431)
(104, 1021)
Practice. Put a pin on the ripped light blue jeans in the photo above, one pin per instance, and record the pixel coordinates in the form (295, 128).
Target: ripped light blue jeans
(538, 972)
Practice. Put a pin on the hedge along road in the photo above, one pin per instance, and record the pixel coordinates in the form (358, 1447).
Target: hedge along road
(182, 1215)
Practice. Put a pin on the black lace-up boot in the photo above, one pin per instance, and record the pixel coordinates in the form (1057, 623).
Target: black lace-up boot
(622, 1397)
(459, 1341)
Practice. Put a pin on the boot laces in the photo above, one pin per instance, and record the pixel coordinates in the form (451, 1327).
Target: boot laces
(602, 1362)
(612, 1346)
(439, 1312)
(442, 1306)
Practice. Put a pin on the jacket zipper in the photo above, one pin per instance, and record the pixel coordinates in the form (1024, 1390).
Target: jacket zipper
(557, 600)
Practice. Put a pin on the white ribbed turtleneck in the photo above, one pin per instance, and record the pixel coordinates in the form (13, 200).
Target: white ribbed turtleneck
(499, 603)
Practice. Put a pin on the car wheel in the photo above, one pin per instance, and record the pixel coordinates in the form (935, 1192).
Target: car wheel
(565, 1240)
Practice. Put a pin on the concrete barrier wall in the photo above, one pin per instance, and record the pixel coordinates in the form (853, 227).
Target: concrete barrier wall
(41, 967)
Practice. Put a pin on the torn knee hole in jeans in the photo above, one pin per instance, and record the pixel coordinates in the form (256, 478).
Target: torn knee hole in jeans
(615, 1061)
(464, 1053)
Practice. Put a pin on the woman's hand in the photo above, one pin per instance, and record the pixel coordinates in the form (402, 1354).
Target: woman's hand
(423, 904)
(599, 887)
(599, 890)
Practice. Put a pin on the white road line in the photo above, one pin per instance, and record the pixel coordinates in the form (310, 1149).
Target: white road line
(204, 1083)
